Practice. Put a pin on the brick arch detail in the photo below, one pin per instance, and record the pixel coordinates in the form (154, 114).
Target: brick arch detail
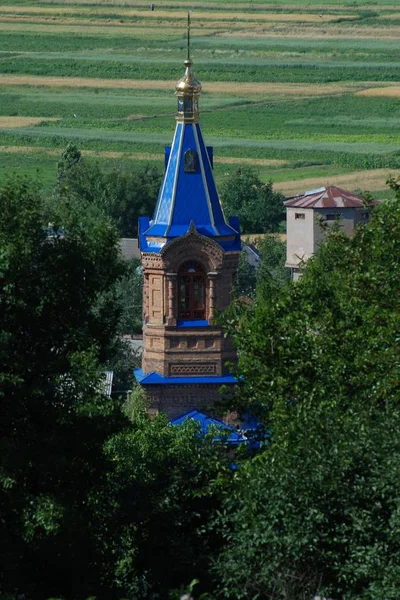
(195, 247)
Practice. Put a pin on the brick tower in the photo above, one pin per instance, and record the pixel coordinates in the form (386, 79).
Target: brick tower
(189, 256)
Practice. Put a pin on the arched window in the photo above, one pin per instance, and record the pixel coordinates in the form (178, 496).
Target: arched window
(191, 291)
(190, 161)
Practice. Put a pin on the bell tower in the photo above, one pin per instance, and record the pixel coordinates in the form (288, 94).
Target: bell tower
(189, 256)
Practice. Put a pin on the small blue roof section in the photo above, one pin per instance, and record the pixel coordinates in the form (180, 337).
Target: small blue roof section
(188, 194)
(156, 379)
(198, 323)
(228, 433)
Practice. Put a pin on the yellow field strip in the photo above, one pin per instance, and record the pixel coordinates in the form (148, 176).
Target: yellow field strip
(216, 5)
(257, 162)
(105, 28)
(201, 15)
(392, 91)
(16, 122)
(235, 29)
(90, 153)
(226, 160)
(334, 32)
(220, 87)
(372, 180)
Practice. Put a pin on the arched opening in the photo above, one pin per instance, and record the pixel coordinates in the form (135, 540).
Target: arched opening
(191, 291)
(190, 161)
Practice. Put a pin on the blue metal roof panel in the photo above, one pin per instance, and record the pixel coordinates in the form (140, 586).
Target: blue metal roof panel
(198, 323)
(218, 215)
(156, 379)
(162, 211)
(229, 433)
(190, 196)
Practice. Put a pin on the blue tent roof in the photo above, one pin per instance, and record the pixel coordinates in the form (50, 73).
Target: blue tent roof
(229, 433)
(188, 196)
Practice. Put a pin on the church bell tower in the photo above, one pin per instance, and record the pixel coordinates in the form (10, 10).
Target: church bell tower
(189, 255)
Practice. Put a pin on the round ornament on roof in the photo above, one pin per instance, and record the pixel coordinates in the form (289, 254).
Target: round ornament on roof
(188, 84)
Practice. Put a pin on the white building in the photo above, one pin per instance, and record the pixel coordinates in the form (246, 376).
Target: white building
(308, 217)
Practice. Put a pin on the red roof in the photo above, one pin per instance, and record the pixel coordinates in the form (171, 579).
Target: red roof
(330, 197)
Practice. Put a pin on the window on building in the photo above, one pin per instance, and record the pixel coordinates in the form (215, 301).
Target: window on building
(190, 161)
(299, 216)
(191, 291)
(333, 217)
(188, 105)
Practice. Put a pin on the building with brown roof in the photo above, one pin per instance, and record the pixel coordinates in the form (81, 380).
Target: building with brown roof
(309, 217)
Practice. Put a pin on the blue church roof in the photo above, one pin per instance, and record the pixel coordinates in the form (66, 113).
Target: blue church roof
(228, 433)
(188, 194)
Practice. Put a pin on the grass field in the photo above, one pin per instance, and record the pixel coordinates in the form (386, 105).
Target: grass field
(306, 93)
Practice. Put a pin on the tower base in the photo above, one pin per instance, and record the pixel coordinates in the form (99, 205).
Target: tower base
(175, 396)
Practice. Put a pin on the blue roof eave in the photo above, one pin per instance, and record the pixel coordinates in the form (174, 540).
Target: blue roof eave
(157, 379)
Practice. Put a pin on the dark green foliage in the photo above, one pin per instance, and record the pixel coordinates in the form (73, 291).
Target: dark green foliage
(121, 195)
(246, 277)
(271, 271)
(318, 510)
(54, 332)
(130, 297)
(258, 207)
(163, 487)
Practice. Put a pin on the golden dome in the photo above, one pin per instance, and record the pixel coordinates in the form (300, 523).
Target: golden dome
(188, 84)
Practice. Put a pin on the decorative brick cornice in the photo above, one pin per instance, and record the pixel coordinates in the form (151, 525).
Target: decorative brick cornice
(192, 234)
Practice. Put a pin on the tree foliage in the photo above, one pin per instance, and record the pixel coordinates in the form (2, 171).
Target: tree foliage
(130, 296)
(57, 321)
(163, 488)
(318, 509)
(271, 271)
(260, 209)
(122, 195)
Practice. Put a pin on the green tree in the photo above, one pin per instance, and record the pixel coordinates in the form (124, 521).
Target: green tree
(68, 169)
(56, 322)
(271, 270)
(164, 486)
(317, 510)
(258, 207)
(120, 194)
(130, 297)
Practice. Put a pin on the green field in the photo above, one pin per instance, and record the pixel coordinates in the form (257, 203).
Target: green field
(314, 87)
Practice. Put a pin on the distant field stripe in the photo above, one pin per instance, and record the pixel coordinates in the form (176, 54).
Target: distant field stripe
(201, 15)
(372, 180)
(258, 162)
(172, 27)
(87, 135)
(91, 153)
(255, 5)
(28, 150)
(261, 162)
(89, 28)
(334, 32)
(220, 87)
(16, 122)
(392, 91)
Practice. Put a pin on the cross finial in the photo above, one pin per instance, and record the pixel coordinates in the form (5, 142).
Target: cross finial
(188, 36)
